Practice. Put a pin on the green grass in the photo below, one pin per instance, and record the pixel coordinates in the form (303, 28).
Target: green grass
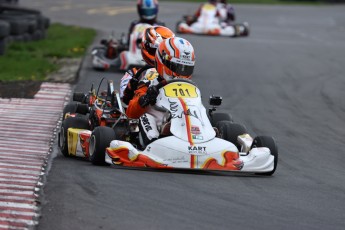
(35, 60)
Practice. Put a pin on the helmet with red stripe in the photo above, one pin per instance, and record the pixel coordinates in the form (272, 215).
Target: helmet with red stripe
(175, 58)
(151, 39)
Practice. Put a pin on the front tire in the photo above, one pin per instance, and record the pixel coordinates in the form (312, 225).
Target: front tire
(100, 139)
(268, 142)
(229, 131)
(71, 122)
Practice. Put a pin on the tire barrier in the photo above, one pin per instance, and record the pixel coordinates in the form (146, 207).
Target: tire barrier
(13, 2)
(20, 24)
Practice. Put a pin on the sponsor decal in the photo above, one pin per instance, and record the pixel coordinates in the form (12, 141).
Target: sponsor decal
(84, 142)
(176, 160)
(186, 55)
(197, 137)
(197, 149)
(146, 123)
(195, 130)
(176, 113)
(73, 141)
(185, 61)
(151, 75)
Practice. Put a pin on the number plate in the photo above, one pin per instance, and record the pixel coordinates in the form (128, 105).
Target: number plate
(183, 90)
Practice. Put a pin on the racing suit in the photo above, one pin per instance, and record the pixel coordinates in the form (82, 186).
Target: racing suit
(207, 15)
(226, 12)
(142, 107)
(136, 22)
(129, 83)
(124, 46)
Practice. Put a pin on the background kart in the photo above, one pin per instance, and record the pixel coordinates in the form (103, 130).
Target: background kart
(83, 115)
(189, 138)
(117, 53)
(189, 25)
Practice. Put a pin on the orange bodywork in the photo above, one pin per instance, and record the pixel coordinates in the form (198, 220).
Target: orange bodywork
(231, 162)
(84, 142)
(215, 31)
(120, 156)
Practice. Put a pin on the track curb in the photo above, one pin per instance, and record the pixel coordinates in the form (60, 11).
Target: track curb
(24, 153)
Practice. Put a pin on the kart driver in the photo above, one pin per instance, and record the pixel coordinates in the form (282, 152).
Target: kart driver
(147, 11)
(174, 58)
(226, 12)
(213, 18)
(202, 11)
(152, 37)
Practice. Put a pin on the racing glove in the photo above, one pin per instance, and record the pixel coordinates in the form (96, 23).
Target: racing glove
(133, 83)
(149, 98)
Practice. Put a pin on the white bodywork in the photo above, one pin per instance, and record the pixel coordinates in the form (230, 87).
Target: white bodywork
(208, 23)
(194, 144)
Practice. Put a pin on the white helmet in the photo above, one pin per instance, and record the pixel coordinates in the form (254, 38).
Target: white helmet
(175, 58)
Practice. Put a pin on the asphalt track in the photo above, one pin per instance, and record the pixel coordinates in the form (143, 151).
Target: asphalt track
(286, 80)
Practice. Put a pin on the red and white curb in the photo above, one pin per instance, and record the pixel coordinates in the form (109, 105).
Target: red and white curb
(27, 131)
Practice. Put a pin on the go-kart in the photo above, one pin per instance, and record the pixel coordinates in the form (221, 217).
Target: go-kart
(116, 53)
(189, 138)
(86, 112)
(204, 25)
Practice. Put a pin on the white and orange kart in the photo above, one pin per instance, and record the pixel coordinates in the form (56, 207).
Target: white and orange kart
(186, 26)
(210, 24)
(123, 56)
(190, 138)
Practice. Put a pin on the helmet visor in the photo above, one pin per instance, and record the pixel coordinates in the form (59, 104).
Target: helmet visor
(181, 67)
(148, 13)
(151, 48)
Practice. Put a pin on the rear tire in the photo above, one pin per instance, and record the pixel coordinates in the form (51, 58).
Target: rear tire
(70, 108)
(100, 139)
(79, 96)
(37, 35)
(230, 131)
(83, 109)
(75, 107)
(2, 46)
(269, 142)
(18, 25)
(4, 29)
(71, 122)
